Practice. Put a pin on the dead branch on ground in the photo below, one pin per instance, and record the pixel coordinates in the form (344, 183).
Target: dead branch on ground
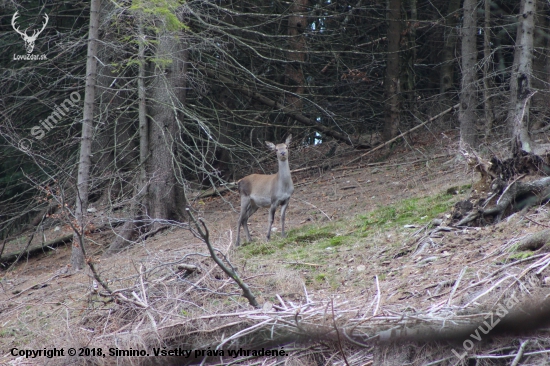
(201, 231)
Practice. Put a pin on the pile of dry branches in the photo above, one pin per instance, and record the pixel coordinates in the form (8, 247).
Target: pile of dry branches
(190, 311)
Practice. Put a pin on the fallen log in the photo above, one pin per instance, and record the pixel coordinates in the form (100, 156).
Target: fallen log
(31, 252)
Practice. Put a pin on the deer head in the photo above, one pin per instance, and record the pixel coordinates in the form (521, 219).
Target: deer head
(29, 40)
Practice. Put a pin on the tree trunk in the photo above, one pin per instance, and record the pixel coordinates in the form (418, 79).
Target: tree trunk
(541, 67)
(520, 81)
(468, 100)
(165, 199)
(143, 123)
(113, 149)
(446, 81)
(138, 206)
(78, 250)
(409, 57)
(294, 75)
(391, 82)
(487, 104)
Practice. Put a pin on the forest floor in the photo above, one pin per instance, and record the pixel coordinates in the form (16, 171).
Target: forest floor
(354, 235)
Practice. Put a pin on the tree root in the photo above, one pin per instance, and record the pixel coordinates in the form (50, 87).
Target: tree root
(519, 196)
(516, 197)
(536, 241)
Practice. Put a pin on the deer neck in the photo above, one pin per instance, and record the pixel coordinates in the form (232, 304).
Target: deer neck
(284, 172)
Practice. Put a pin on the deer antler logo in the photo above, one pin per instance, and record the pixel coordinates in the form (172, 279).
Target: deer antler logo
(29, 40)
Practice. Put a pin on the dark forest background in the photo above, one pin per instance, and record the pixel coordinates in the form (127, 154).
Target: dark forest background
(186, 92)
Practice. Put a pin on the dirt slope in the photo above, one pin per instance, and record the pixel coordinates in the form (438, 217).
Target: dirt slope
(42, 307)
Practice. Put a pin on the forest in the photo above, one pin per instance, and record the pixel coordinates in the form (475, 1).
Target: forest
(148, 109)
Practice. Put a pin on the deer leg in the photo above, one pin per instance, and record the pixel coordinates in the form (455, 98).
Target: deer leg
(243, 218)
(251, 209)
(283, 211)
(272, 210)
(239, 224)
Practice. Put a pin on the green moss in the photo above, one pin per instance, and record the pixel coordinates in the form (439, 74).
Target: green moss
(519, 255)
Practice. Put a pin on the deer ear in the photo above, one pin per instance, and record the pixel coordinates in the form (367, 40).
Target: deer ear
(270, 145)
(288, 139)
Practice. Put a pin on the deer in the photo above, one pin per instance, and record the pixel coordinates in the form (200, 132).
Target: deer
(266, 190)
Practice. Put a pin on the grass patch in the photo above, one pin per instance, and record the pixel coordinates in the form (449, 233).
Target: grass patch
(408, 211)
(338, 240)
(321, 277)
(305, 251)
(313, 234)
(8, 332)
(254, 249)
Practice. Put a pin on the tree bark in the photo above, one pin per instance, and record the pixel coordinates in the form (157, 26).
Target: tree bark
(138, 206)
(468, 100)
(294, 75)
(535, 241)
(142, 115)
(487, 104)
(391, 82)
(78, 250)
(409, 58)
(165, 199)
(541, 68)
(520, 81)
(446, 80)
(113, 148)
